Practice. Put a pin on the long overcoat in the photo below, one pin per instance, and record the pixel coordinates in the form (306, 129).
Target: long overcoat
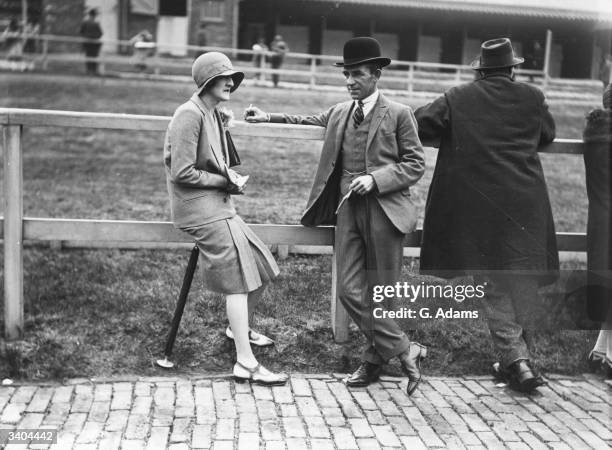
(488, 206)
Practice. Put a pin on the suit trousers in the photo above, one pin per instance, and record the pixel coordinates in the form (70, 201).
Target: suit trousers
(507, 306)
(361, 222)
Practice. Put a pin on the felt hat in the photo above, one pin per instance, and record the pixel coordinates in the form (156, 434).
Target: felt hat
(496, 54)
(362, 50)
(212, 65)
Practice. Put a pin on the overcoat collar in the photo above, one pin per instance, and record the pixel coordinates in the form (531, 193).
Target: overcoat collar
(210, 111)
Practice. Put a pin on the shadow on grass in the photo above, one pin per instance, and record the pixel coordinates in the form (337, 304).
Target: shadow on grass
(107, 312)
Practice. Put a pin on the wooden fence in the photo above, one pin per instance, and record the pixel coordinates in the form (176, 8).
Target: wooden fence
(16, 228)
(311, 69)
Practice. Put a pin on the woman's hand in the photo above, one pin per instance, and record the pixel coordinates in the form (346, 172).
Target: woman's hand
(253, 114)
(232, 186)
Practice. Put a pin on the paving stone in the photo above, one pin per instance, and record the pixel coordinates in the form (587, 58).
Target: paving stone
(248, 441)
(122, 396)
(386, 436)
(300, 386)
(543, 432)
(201, 436)
(453, 419)
(271, 430)
(275, 445)
(226, 408)
(62, 394)
(248, 423)
(143, 389)
(296, 444)
(413, 443)
(11, 414)
(289, 410)
(221, 390)
(375, 418)
(596, 427)
(74, 422)
(282, 394)
(205, 406)
(293, 427)
(468, 438)
(490, 440)
(31, 420)
(158, 440)
(262, 392)
(90, 433)
(223, 445)
(322, 444)
(453, 442)
(368, 444)
(533, 442)
(40, 400)
(316, 427)
(111, 440)
(266, 409)
(117, 420)
(429, 436)
(361, 428)
(130, 444)
(401, 426)
(343, 438)
(23, 394)
(333, 417)
(99, 411)
(137, 426)
(224, 429)
(592, 439)
(504, 433)
(57, 414)
(307, 406)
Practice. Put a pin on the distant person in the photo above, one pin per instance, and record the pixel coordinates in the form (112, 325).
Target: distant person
(598, 164)
(488, 213)
(260, 48)
(144, 46)
(13, 40)
(605, 70)
(280, 48)
(90, 29)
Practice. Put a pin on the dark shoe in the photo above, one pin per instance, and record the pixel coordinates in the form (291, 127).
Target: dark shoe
(365, 374)
(522, 377)
(595, 361)
(411, 363)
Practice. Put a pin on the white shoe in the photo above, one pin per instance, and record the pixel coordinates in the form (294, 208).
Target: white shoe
(255, 338)
(258, 375)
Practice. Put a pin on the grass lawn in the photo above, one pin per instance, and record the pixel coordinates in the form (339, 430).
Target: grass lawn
(103, 312)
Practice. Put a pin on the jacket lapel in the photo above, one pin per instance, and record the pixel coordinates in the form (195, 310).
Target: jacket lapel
(378, 114)
(343, 117)
(208, 124)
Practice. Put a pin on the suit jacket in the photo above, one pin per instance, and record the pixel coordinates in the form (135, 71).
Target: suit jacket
(488, 206)
(194, 159)
(394, 157)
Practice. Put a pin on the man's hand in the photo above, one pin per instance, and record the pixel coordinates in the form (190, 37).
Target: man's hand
(253, 114)
(363, 185)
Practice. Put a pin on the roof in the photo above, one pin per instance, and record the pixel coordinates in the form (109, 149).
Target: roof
(596, 10)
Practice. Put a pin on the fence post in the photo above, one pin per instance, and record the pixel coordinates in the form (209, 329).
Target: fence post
(45, 58)
(13, 231)
(339, 316)
(313, 72)
(262, 67)
(410, 78)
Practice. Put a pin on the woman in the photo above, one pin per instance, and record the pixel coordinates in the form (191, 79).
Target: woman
(197, 159)
(598, 165)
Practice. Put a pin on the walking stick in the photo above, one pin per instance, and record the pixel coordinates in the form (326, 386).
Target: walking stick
(180, 307)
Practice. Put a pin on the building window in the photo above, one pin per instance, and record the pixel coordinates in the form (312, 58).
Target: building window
(173, 8)
(212, 11)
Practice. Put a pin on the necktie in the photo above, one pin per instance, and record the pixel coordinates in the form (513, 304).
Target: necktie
(358, 114)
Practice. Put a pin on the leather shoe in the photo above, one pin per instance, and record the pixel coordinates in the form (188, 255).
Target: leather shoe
(365, 374)
(411, 363)
(522, 377)
(258, 375)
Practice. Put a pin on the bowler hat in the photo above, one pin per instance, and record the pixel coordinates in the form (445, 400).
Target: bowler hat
(362, 50)
(211, 65)
(496, 54)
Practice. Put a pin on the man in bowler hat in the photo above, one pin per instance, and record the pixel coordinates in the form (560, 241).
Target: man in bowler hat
(488, 213)
(371, 157)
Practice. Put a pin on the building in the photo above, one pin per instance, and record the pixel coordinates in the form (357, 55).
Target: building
(445, 31)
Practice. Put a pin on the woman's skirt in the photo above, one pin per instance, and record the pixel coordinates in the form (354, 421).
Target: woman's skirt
(234, 260)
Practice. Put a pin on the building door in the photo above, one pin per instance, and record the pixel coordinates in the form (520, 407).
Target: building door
(173, 27)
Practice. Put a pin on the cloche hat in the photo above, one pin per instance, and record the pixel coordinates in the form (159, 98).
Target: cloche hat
(361, 50)
(211, 65)
(496, 54)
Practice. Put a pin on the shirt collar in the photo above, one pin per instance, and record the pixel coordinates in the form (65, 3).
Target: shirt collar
(371, 99)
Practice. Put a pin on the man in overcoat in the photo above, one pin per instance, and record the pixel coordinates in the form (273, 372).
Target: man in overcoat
(371, 149)
(488, 213)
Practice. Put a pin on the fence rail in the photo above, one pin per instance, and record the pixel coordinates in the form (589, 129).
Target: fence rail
(310, 68)
(16, 228)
